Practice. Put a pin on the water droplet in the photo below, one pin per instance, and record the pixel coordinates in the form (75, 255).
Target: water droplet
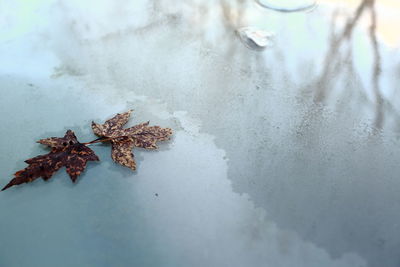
(288, 5)
(254, 38)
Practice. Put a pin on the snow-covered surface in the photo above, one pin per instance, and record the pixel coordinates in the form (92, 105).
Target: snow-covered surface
(257, 173)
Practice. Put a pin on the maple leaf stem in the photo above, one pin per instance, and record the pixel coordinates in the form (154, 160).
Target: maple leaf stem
(98, 140)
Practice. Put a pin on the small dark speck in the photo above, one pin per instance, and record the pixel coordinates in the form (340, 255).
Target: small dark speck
(30, 84)
(156, 194)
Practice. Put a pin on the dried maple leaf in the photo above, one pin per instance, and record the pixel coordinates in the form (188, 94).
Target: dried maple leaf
(124, 140)
(66, 151)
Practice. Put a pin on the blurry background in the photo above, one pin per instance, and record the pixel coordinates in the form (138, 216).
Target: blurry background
(281, 157)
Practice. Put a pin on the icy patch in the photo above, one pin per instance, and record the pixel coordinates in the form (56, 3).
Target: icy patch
(254, 38)
(287, 6)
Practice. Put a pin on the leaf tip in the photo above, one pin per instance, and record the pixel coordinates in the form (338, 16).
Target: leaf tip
(73, 177)
(7, 186)
(133, 168)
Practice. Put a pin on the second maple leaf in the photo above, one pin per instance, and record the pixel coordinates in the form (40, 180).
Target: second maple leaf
(123, 140)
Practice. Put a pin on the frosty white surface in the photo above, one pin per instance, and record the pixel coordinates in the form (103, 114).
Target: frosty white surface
(258, 173)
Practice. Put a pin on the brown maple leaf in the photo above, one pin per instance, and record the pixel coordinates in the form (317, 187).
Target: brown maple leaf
(66, 151)
(124, 140)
